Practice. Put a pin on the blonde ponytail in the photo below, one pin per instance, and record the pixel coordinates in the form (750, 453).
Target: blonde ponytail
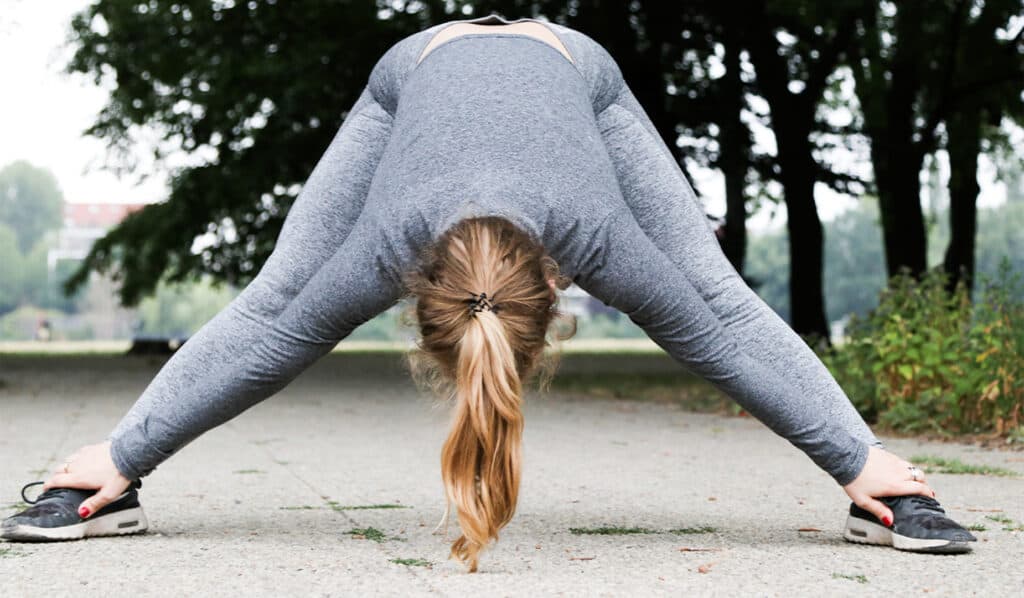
(480, 460)
(482, 359)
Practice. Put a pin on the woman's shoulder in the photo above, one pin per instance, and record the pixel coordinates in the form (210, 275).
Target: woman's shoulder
(594, 63)
(395, 64)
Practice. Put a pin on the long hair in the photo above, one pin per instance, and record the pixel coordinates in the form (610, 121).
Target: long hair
(483, 358)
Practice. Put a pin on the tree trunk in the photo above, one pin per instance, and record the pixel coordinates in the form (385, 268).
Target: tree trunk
(897, 174)
(806, 240)
(735, 153)
(964, 129)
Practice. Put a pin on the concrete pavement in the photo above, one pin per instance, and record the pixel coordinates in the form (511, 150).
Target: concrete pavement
(278, 501)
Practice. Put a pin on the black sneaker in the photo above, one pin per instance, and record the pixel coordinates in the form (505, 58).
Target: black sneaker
(919, 525)
(54, 516)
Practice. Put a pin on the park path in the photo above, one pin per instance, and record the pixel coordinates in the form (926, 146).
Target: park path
(262, 505)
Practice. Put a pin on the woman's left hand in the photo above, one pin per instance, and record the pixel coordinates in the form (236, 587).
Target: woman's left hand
(884, 474)
(90, 467)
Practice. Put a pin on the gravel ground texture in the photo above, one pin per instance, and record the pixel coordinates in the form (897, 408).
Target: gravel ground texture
(332, 488)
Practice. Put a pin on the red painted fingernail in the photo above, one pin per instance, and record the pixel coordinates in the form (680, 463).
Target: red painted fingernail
(83, 512)
(887, 521)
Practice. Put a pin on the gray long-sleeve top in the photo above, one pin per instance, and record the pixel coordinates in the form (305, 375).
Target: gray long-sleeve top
(495, 124)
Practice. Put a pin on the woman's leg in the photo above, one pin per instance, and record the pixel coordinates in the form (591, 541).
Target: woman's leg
(666, 208)
(246, 353)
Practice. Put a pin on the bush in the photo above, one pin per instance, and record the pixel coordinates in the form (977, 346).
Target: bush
(929, 360)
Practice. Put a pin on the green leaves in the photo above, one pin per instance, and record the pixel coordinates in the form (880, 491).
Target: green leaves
(927, 360)
(251, 92)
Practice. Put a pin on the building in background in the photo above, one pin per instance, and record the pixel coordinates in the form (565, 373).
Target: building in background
(84, 223)
(99, 315)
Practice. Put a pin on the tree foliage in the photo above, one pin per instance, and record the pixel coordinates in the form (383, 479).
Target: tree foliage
(253, 92)
(31, 202)
(920, 66)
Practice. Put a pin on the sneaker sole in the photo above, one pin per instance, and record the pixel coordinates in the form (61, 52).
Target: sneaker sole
(121, 523)
(867, 532)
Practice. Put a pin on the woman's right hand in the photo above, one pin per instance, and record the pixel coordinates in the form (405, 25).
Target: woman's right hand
(884, 474)
(90, 467)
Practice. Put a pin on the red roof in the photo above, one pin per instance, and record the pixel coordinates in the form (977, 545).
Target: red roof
(97, 215)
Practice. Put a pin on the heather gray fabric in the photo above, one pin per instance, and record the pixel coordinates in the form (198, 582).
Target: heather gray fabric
(496, 124)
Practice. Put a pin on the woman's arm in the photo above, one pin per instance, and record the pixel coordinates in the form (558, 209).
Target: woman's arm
(666, 209)
(628, 272)
(253, 347)
(245, 353)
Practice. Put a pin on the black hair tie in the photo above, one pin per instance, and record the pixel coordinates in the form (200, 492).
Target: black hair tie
(480, 302)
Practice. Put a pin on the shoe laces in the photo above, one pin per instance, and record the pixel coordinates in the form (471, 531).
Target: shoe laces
(924, 502)
(55, 492)
(52, 492)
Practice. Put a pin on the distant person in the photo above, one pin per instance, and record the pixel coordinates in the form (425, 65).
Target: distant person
(487, 163)
(44, 332)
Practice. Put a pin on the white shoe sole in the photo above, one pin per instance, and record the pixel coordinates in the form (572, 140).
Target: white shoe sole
(868, 532)
(128, 521)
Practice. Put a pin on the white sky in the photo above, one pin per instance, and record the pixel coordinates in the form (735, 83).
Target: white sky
(44, 111)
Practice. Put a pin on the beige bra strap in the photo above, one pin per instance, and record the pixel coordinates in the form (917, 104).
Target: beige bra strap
(528, 28)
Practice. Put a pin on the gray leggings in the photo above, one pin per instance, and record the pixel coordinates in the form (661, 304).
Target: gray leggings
(326, 277)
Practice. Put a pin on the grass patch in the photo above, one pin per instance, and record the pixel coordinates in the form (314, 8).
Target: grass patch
(244, 471)
(413, 562)
(942, 465)
(622, 531)
(334, 505)
(704, 529)
(999, 518)
(859, 578)
(677, 387)
(368, 533)
(19, 506)
(1009, 525)
(9, 553)
(977, 527)
(610, 531)
(300, 508)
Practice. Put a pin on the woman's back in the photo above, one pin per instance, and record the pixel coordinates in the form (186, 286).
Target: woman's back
(492, 124)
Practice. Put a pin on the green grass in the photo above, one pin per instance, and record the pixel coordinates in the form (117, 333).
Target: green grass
(8, 553)
(859, 578)
(977, 527)
(704, 529)
(413, 562)
(622, 531)
(339, 507)
(248, 471)
(1009, 525)
(19, 506)
(335, 506)
(942, 465)
(368, 533)
(610, 531)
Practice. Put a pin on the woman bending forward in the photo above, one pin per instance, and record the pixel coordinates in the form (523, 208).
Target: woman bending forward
(486, 163)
